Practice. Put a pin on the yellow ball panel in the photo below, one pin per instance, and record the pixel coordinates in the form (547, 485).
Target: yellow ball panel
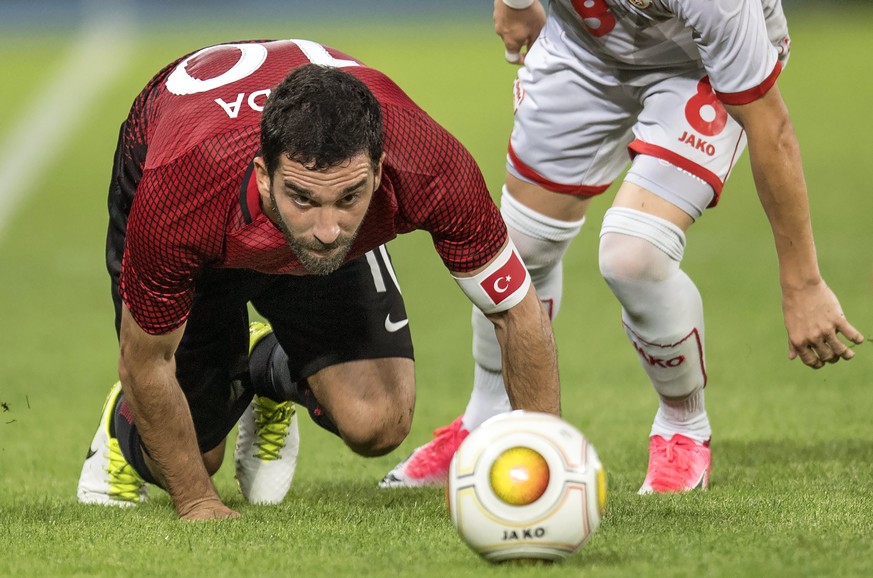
(519, 476)
(601, 490)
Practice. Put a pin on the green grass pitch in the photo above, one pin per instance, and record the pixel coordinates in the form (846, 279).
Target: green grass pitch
(792, 448)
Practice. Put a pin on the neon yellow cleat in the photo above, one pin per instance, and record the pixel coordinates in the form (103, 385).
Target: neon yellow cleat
(107, 478)
(267, 443)
(257, 332)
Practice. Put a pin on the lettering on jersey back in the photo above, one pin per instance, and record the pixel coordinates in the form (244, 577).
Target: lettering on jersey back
(255, 100)
(197, 73)
(250, 58)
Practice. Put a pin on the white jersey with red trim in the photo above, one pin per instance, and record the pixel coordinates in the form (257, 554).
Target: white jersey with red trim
(737, 42)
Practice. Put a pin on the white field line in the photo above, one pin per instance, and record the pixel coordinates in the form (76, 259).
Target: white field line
(32, 142)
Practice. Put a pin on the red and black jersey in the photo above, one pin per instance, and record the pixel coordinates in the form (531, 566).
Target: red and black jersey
(197, 206)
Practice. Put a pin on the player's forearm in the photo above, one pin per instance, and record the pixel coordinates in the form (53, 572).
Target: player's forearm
(147, 370)
(778, 172)
(783, 195)
(167, 430)
(530, 366)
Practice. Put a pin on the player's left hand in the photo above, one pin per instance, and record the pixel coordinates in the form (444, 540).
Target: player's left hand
(518, 28)
(206, 509)
(814, 318)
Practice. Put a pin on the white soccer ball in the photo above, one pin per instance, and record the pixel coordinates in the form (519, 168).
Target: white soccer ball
(526, 485)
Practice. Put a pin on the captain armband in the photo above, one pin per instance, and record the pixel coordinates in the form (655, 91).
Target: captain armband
(501, 285)
(519, 4)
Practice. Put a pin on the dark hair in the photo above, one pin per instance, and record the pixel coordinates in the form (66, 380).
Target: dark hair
(320, 116)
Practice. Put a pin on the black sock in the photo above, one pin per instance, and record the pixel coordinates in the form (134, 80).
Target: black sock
(121, 427)
(261, 371)
(271, 377)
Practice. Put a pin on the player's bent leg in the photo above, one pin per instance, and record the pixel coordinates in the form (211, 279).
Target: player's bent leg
(106, 477)
(541, 241)
(662, 314)
(213, 458)
(371, 401)
(366, 402)
(267, 443)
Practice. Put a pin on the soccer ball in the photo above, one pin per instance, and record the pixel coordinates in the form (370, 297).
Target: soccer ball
(526, 485)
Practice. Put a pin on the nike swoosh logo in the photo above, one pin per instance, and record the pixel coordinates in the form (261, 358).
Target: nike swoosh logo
(91, 453)
(394, 326)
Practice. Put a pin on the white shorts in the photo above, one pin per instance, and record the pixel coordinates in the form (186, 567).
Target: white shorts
(578, 123)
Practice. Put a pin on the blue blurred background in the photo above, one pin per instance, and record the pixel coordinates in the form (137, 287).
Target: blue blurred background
(63, 13)
(69, 13)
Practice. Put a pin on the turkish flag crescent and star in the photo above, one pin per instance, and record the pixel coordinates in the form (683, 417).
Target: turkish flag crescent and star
(506, 280)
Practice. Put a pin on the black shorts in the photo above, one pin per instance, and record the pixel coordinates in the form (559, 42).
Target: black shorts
(355, 313)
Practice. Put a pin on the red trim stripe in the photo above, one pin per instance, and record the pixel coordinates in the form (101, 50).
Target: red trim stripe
(644, 148)
(532, 175)
(736, 153)
(697, 342)
(253, 196)
(752, 94)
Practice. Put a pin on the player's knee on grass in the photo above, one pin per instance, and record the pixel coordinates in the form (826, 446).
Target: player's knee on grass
(374, 431)
(370, 402)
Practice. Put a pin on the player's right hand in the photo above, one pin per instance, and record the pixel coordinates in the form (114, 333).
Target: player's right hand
(518, 28)
(815, 320)
(206, 509)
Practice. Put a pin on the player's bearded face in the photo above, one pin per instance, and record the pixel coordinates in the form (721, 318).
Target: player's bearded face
(317, 257)
(320, 211)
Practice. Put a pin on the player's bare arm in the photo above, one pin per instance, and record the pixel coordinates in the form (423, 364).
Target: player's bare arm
(530, 365)
(524, 332)
(147, 369)
(813, 316)
(518, 27)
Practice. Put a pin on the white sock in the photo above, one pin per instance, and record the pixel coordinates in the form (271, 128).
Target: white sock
(488, 398)
(662, 313)
(687, 417)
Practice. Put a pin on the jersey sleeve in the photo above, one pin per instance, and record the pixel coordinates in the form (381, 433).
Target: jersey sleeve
(734, 44)
(440, 189)
(175, 228)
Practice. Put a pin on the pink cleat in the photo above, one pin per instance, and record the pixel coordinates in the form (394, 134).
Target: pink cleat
(428, 465)
(677, 465)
